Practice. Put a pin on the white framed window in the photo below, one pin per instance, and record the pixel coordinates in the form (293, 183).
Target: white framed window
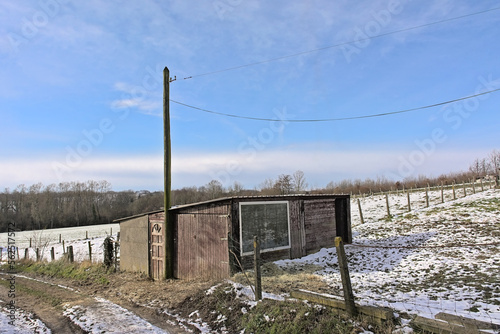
(270, 221)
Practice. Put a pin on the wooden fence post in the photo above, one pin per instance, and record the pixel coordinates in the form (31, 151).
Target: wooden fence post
(86, 235)
(26, 254)
(52, 254)
(256, 260)
(71, 256)
(482, 185)
(409, 204)
(474, 187)
(387, 204)
(64, 249)
(442, 193)
(115, 258)
(60, 238)
(30, 242)
(346, 279)
(37, 252)
(360, 212)
(90, 252)
(465, 190)
(108, 252)
(426, 197)
(454, 193)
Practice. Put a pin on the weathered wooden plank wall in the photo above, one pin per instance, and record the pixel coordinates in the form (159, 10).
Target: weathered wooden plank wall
(201, 242)
(320, 224)
(297, 229)
(134, 246)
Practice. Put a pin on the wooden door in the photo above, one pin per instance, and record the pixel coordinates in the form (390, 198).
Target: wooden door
(202, 246)
(319, 224)
(156, 250)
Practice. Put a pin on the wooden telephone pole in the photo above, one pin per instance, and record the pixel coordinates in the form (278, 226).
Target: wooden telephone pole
(168, 235)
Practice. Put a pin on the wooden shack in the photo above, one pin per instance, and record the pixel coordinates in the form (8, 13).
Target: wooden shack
(214, 239)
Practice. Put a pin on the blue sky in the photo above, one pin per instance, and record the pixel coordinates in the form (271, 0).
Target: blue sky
(81, 89)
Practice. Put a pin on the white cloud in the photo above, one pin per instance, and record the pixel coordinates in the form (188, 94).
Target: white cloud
(249, 168)
(146, 101)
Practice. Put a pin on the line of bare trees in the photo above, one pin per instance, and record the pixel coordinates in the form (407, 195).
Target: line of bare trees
(480, 168)
(65, 204)
(94, 202)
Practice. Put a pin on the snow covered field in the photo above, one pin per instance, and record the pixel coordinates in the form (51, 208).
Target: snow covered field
(441, 258)
(445, 258)
(72, 236)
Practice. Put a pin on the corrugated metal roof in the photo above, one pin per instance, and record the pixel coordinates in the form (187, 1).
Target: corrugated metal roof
(222, 199)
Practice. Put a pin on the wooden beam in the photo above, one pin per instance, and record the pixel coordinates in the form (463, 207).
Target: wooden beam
(466, 322)
(378, 314)
(442, 327)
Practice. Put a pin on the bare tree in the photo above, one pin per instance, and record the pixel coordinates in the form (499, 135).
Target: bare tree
(494, 162)
(214, 189)
(299, 181)
(284, 185)
(236, 188)
(267, 187)
(40, 242)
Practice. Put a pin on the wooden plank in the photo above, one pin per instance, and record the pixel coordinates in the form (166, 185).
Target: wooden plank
(379, 314)
(295, 230)
(442, 327)
(466, 322)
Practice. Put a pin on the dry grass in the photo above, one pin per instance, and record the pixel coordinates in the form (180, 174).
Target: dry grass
(279, 281)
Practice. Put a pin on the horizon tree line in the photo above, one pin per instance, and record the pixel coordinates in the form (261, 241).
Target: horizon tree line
(69, 204)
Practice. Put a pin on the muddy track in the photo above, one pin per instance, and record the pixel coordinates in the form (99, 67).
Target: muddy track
(46, 301)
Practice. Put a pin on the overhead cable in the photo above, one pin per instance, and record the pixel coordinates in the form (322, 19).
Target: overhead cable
(340, 44)
(335, 119)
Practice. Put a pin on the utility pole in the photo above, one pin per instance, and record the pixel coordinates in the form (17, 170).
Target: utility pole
(168, 235)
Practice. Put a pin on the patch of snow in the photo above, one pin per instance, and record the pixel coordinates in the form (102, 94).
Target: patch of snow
(24, 322)
(106, 317)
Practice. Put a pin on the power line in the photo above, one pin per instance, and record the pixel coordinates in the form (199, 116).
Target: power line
(335, 119)
(340, 44)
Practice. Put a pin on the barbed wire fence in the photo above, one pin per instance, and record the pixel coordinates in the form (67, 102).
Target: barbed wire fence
(41, 248)
(429, 253)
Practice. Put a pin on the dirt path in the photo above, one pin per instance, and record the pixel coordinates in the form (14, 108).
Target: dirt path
(44, 301)
(47, 299)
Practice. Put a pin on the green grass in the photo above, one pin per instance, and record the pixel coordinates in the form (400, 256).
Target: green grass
(84, 271)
